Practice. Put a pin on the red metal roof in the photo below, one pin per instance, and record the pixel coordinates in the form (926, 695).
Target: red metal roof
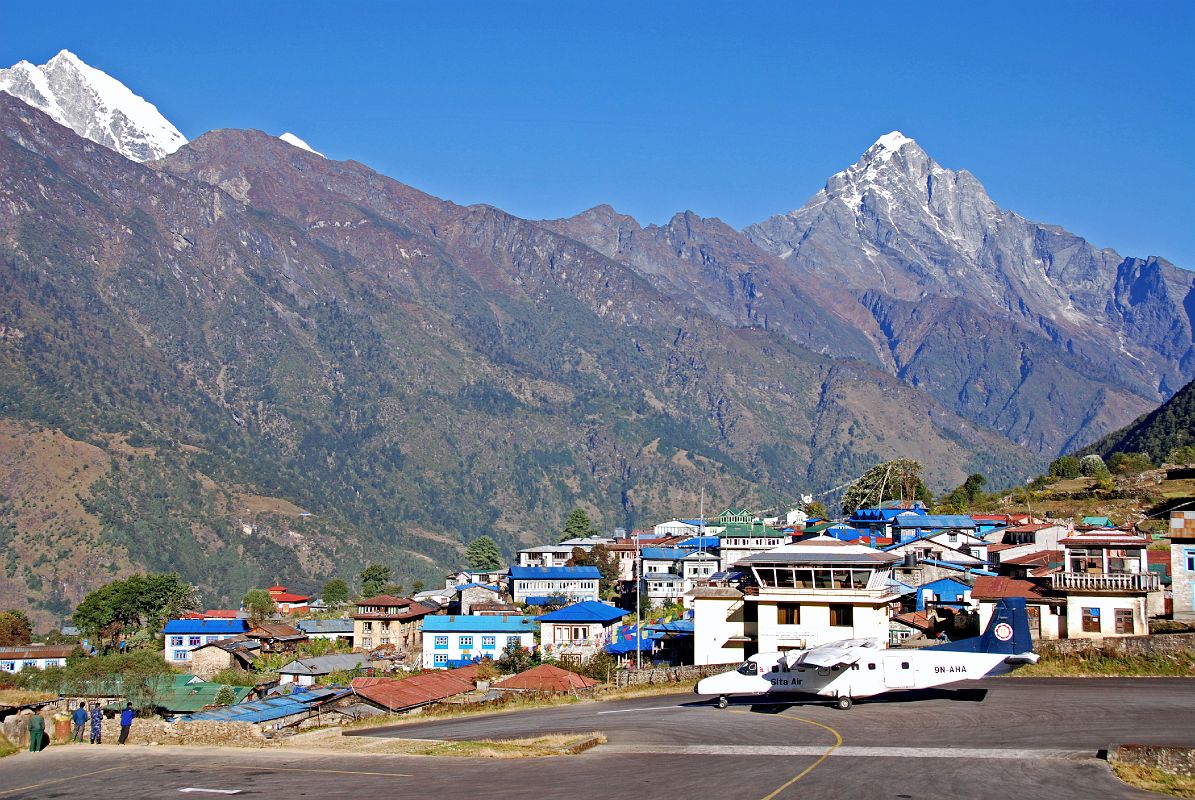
(996, 588)
(1108, 538)
(289, 598)
(35, 651)
(1036, 559)
(411, 692)
(547, 678)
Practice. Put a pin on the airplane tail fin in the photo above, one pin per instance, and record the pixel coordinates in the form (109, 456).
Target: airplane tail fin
(1007, 632)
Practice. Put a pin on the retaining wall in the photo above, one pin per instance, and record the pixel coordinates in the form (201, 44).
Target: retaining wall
(1157, 644)
(152, 731)
(656, 675)
(1175, 760)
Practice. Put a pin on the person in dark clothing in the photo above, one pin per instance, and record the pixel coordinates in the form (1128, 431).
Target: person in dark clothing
(37, 731)
(97, 723)
(126, 722)
(79, 718)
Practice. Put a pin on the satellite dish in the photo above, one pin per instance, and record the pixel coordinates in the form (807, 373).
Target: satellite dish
(806, 499)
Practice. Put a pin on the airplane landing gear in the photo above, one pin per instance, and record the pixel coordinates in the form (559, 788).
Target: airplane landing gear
(722, 702)
(844, 703)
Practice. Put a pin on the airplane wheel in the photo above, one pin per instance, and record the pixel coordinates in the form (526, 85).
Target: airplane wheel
(844, 703)
(723, 702)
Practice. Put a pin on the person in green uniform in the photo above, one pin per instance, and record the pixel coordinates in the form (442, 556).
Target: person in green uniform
(37, 731)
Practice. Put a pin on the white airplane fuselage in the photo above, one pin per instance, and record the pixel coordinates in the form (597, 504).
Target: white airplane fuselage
(876, 672)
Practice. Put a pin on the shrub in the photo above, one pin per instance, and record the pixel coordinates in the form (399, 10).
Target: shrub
(1065, 467)
(1092, 466)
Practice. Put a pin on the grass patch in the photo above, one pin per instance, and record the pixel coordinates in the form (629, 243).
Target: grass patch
(22, 697)
(1104, 665)
(7, 748)
(551, 744)
(1155, 780)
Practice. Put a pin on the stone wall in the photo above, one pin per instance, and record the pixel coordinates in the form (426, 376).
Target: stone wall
(151, 731)
(1175, 760)
(663, 675)
(1158, 644)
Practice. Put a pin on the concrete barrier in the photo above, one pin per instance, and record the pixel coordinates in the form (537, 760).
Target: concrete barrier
(1173, 759)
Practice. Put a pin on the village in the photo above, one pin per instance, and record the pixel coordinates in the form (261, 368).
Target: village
(683, 599)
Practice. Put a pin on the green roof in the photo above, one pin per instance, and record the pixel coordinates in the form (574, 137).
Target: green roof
(749, 529)
(176, 694)
(1102, 522)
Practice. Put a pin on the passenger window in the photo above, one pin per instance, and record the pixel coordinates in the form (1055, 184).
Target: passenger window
(854, 666)
(871, 666)
(904, 665)
(834, 668)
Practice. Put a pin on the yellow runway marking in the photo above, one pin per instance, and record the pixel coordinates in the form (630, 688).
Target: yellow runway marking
(811, 767)
(296, 769)
(56, 780)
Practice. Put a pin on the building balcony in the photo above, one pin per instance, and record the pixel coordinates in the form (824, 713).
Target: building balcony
(1105, 582)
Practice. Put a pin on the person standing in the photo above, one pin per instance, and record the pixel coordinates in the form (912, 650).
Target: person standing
(126, 722)
(37, 731)
(97, 723)
(80, 718)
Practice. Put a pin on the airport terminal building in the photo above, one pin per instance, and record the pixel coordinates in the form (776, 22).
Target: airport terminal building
(795, 597)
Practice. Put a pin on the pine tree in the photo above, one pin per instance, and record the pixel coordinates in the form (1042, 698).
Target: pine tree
(578, 526)
(483, 553)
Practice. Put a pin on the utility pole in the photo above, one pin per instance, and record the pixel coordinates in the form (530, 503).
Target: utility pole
(638, 602)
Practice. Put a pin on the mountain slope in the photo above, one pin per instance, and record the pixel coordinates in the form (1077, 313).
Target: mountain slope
(247, 329)
(93, 105)
(953, 279)
(1167, 427)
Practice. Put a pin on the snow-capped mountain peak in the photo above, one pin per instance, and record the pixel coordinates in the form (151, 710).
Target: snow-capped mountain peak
(291, 139)
(94, 105)
(891, 142)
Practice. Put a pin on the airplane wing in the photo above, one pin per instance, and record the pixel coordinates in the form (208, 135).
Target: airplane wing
(833, 654)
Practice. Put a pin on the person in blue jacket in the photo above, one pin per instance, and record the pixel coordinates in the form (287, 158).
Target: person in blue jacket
(126, 722)
(80, 718)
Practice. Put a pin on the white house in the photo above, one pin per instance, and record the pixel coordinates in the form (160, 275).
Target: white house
(575, 633)
(541, 585)
(15, 659)
(453, 640)
(677, 528)
(181, 636)
(548, 555)
(1182, 563)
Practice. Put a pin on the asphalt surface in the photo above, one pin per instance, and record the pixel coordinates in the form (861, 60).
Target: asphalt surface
(997, 739)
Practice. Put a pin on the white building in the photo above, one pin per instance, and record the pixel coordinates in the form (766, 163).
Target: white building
(453, 640)
(804, 594)
(548, 555)
(1182, 563)
(181, 636)
(15, 659)
(738, 541)
(541, 585)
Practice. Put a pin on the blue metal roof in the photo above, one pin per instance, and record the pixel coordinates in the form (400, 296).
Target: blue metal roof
(534, 573)
(664, 553)
(586, 611)
(935, 521)
(701, 542)
(274, 706)
(207, 627)
(473, 584)
(662, 576)
(943, 581)
(479, 623)
(883, 514)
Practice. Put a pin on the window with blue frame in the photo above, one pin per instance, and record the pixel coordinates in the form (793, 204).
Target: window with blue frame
(488, 642)
(30, 665)
(8, 666)
(194, 641)
(466, 642)
(440, 659)
(442, 643)
(181, 655)
(176, 641)
(53, 662)
(1190, 553)
(511, 640)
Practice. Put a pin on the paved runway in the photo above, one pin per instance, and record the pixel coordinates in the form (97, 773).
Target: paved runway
(998, 739)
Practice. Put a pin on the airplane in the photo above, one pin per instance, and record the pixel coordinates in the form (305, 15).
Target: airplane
(856, 668)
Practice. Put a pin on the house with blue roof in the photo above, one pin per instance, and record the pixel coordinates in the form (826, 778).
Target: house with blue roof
(181, 636)
(881, 520)
(456, 639)
(575, 633)
(915, 526)
(944, 591)
(539, 586)
(953, 545)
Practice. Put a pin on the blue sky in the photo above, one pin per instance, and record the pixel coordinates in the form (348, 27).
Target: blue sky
(1080, 114)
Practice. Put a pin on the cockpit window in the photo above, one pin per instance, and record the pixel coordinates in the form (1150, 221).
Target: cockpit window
(749, 668)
